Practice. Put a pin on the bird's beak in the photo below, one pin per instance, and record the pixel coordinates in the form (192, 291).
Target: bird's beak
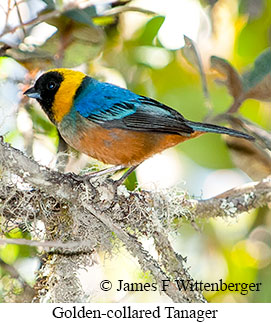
(32, 93)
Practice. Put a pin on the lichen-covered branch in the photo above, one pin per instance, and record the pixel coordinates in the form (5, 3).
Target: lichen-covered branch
(233, 202)
(79, 216)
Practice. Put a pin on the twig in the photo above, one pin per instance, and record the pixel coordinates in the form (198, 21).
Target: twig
(8, 12)
(20, 17)
(28, 291)
(71, 245)
(117, 10)
(34, 21)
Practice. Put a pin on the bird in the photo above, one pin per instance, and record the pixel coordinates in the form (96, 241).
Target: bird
(113, 124)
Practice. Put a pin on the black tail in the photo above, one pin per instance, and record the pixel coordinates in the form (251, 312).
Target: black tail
(206, 127)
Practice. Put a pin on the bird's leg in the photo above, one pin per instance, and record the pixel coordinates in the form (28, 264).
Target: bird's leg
(113, 170)
(125, 175)
(106, 171)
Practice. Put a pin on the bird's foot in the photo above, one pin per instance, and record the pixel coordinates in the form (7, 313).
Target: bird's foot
(124, 176)
(105, 171)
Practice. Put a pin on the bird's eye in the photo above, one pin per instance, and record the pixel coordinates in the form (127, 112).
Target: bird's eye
(51, 85)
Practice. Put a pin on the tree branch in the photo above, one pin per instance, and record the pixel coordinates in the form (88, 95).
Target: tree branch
(80, 215)
(233, 202)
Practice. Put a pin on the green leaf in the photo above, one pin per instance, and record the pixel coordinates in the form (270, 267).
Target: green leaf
(232, 78)
(254, 84)
(33, 59)
(191, 53)
(50, 4)
(9, 253)
(74, 43)
(79, 51)
(150, 30)
(83, 16)
(253, 157)
(131, 182)
(103, 20)
(259, 74)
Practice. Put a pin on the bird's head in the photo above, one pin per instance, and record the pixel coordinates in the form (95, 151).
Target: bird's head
(55, 91)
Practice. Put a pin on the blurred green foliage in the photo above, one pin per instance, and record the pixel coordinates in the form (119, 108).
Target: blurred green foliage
(100, 43)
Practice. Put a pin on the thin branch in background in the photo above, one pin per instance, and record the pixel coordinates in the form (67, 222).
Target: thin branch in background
(28, 291)
(118, 10)
(31, 22)
(8, 12)
(70, 6)
(70, 245)
(20, 17)
(13, 272)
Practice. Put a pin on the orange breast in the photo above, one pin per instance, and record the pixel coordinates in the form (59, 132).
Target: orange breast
(122, 147)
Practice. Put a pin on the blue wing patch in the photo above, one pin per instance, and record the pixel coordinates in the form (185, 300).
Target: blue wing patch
(103, 101)
(115, 107)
